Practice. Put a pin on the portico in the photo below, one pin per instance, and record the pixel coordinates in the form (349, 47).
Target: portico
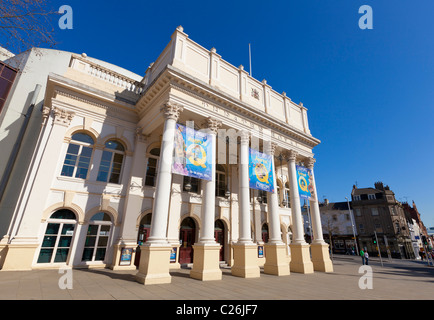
(157, 215)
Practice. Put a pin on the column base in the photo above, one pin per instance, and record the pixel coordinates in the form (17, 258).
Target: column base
(276, 260)
(206, 265)
(154, 264)
(300, 258)
(17, 257)
(321, 257)
(245, 260)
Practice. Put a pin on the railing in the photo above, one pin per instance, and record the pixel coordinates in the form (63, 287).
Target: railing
(105, 74)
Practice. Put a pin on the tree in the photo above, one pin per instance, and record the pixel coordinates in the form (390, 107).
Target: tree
(25, 24)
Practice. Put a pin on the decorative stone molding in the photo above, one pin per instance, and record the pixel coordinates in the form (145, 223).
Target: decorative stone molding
(45, 113)
(245, 136)
(172, 110)
(272, 148)
(309, 162)
(140, 137)
(213, 124)
(291, 155)
(62, 117)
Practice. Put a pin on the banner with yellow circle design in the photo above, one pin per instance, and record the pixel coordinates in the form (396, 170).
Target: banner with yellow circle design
(305, 182)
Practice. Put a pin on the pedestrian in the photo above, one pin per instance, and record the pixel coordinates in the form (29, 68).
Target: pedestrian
(366, 257)
(362, 254)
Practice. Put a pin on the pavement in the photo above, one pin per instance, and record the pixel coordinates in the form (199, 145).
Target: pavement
(395, 280)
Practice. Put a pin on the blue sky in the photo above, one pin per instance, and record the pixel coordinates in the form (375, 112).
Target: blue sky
(369, 93)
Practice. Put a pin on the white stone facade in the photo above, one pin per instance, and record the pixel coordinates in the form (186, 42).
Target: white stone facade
(105, 149)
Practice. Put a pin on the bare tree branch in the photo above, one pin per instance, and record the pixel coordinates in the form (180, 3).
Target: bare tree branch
(25, 24)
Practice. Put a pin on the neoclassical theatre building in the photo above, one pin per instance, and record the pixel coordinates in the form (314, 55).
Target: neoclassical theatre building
(100, 191)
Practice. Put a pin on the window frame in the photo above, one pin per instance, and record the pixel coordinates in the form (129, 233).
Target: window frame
(76, 166)
(111, 167)
(95, 246)
(157, 164)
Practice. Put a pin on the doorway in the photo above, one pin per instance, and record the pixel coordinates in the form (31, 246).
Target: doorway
(58, 237)
(187, 237)
(219, 235)
(142, 237)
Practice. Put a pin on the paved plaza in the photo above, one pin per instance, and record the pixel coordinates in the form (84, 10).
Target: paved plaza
(396, 280)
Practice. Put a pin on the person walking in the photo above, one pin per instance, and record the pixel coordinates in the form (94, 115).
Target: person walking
(366, 257)
(362, 254)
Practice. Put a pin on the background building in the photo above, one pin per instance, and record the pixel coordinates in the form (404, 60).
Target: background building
(377, 212)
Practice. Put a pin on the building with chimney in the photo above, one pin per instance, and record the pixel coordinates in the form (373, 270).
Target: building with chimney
(381, 222)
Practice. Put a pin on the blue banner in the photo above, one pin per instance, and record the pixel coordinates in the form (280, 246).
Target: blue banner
(261, 171)
(193, 153)
(304, 182)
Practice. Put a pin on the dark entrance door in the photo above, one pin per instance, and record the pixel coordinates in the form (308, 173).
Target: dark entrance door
(142, 237)
(187, 237)
(265, 233)
(219, 235)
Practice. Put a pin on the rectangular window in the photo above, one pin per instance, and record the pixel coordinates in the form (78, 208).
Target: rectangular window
(371, 196)
(151, 172)
(220, 187)
(374, 211)
(7, 77)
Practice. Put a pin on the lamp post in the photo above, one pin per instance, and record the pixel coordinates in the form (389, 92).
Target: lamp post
(352, 225)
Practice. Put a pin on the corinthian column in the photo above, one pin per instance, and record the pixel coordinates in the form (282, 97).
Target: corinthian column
(155, 263)
(300, 255)
(319, 249)
(207, 251)
(275, 250)
(245, 251)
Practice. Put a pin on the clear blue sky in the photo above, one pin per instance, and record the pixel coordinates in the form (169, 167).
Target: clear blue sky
(369, 93)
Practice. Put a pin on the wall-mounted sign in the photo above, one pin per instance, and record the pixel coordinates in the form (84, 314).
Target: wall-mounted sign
(260, 251)
(126, 255)
(173, 255)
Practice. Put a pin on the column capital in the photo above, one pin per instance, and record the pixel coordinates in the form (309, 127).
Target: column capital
(213, 124)
(172, 110)
(62, 116)
(309, 162)
(245, 136)
(271, 148)
(140, 137)
(290, 155)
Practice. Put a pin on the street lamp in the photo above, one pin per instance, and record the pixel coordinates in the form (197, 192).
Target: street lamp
(352, 224)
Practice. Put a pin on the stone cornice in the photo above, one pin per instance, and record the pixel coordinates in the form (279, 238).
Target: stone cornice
(175, 78)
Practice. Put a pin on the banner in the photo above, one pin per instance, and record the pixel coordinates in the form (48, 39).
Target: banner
(193, 153)
(260, 171)
(305, 183)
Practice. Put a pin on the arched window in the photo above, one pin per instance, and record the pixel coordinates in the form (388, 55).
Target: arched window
(111, 162)
(97, 238)
(220, 181)
(78, 156)
(58, 237)
(151, 169)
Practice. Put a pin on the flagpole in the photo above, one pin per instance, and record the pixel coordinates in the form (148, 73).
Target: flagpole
(250, 60)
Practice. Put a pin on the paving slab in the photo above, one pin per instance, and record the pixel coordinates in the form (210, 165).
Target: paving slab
(395, 280)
